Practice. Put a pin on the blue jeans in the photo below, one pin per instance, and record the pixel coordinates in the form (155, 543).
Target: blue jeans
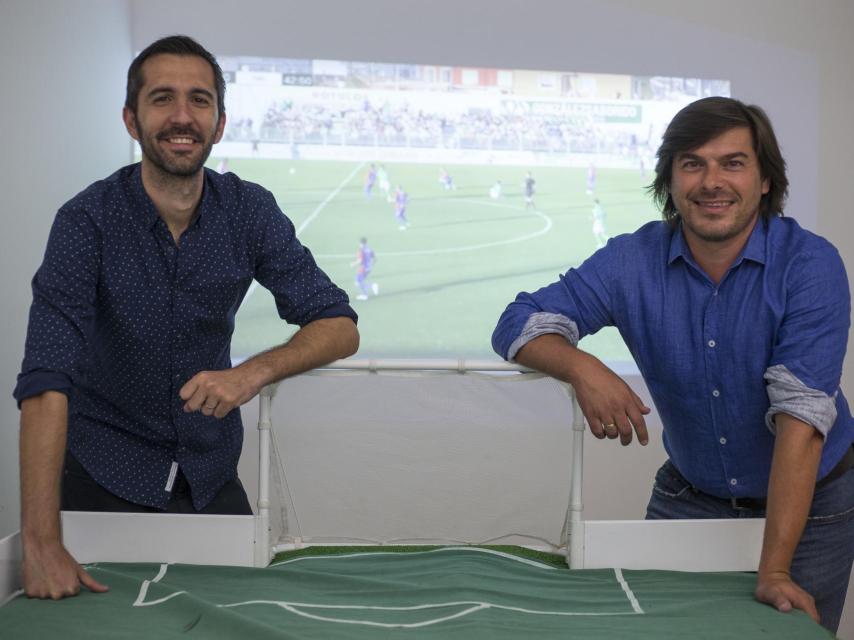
(823, 558)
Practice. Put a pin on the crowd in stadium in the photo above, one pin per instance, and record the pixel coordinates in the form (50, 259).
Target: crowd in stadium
(403, 125)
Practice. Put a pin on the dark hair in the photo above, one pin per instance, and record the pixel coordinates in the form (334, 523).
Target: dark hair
(179, 46)
(706, 119)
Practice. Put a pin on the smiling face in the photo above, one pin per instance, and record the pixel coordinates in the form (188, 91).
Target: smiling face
(176, 120)
(717, 187)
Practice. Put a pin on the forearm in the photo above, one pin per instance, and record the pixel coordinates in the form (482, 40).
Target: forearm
(44, 425)
(797, 453)
(314, 345)
(555, 356)
(610, 406)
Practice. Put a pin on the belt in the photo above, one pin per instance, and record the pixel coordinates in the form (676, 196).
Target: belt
(759, 504)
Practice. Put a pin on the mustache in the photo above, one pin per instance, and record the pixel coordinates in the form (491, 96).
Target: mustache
(182, 132)
(715, 194)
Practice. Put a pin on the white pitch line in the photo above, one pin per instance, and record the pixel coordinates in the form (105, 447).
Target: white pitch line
(386, 625)
(11, 597)
(473, 606)
(629, 594)
(327, 200)
(312, 216)
(143, 590)
(501, 554)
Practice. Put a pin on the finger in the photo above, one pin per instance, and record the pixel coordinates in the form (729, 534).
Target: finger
(209, 406)
(197, 400)
(640, 426)
(189, 388)
(645, 410)
(805, 603)
(611, 429)
(89, 582)
(595, 425)
(624, 429)
(222, 410)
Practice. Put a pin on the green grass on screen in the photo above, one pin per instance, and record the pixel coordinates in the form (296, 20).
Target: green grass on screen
(444, 281)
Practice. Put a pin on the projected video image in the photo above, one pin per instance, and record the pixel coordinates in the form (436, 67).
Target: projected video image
(434, 194)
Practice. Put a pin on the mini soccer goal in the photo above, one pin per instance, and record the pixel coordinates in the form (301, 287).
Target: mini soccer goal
(412, 452)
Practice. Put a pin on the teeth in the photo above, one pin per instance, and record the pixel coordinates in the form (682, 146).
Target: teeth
(181, 140)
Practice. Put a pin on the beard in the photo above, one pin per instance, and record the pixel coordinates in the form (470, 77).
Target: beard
(712, 232)
(179, 166)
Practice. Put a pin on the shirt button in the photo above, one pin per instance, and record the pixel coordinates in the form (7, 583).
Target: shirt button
(716, 393)
(722, 440)
(733, 481)
(712, 343)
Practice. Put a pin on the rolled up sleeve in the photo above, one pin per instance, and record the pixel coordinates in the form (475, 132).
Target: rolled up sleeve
(805, 369)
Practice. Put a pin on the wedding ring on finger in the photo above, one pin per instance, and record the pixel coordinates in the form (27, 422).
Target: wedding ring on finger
(610, 427)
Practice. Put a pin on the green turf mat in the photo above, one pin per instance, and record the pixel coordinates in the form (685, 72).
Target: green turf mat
(459, 593)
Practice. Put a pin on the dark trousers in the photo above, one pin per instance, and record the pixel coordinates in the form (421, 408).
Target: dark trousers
(81, 493)
(822, 562)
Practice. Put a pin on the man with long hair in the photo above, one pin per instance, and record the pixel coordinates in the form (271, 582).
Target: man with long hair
(738, 321)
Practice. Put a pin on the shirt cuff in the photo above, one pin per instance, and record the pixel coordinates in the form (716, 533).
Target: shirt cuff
(539, 324)
(789, 395)
(37, 382)
(339, 310)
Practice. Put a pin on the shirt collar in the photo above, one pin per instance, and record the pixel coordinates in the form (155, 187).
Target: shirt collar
(145, 206)
(754, 250)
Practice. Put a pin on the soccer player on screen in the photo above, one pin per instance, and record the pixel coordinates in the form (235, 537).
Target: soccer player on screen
(364, 263)
(600, 234)
(591, 179)
(401, 198)
(384, 182)
(529, 189)
(370, 180)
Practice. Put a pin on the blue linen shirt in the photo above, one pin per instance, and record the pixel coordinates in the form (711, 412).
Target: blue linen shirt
(719, 360)
(122, 318)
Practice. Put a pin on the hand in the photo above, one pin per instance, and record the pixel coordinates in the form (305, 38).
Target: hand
(610, 406)
(49, 571)
(778, 590)
(216, 393)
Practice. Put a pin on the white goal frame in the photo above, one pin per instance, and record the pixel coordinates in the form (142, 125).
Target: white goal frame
(680, 545)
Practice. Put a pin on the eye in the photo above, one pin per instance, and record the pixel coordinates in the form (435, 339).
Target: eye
(735, 164)
(201, 100)
(160, 99)
(690, 164)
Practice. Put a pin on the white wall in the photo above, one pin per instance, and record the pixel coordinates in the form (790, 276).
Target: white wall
(61, 70)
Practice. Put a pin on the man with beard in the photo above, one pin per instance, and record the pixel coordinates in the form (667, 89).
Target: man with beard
(129, 401)
(738, 321)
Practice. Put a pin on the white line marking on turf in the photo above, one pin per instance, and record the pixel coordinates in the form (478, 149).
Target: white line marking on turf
(625, 585)
(143, 590)
(509, 556)
(295, 607)
(313, 215)
(327, 200)
(471, 247)
(11, 597)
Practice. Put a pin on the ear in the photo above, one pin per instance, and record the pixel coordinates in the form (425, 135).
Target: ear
(130, 123)
(766, 186)
(220, 127)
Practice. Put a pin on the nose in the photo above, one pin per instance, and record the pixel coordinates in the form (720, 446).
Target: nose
(712, 177)
(180, 112)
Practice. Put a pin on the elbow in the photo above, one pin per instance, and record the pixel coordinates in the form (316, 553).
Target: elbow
(351, 339)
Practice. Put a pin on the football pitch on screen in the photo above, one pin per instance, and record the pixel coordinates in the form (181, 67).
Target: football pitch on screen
(442, 281)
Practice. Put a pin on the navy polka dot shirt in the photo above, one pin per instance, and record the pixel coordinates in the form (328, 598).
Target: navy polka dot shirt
(122, 317)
